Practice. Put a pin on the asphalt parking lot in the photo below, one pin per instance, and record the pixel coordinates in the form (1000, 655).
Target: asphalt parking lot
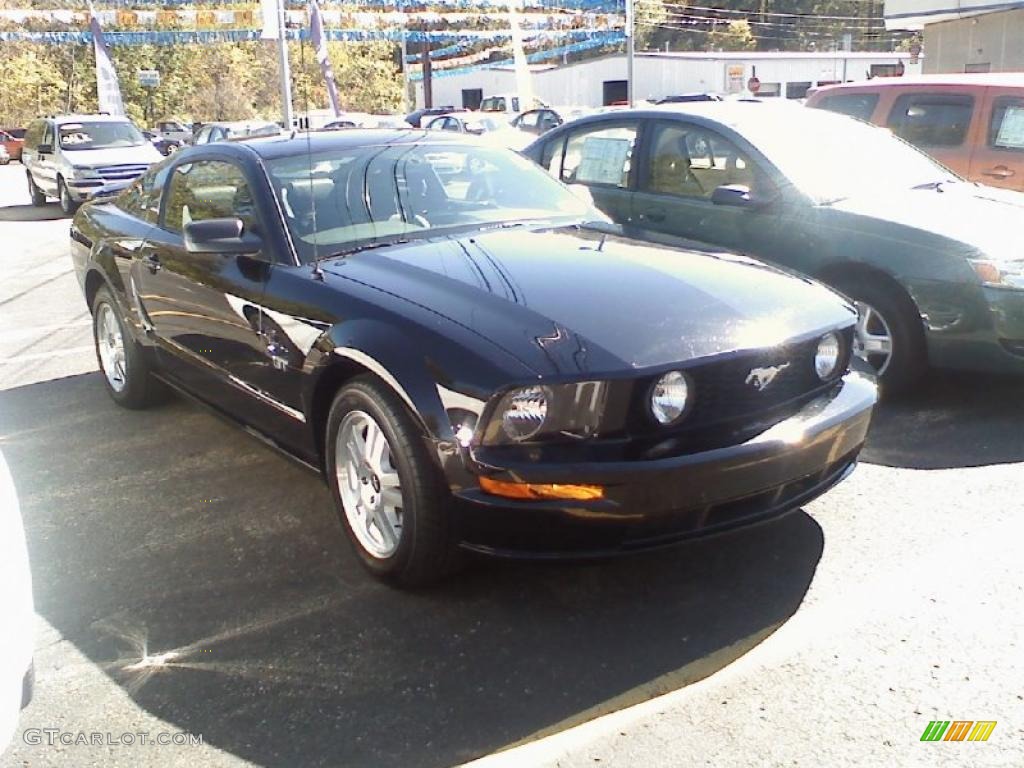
(187, 579)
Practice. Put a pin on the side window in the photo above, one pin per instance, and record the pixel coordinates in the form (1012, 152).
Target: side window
(551, 156)
(528, 119)
(515, 103)
(600, 154)
(1006, 129)
(34, 135)
(142, 198)
(859, 105)
(47, 135)
(208, 189)
(548, 120)
(932, 119)
(687, 161)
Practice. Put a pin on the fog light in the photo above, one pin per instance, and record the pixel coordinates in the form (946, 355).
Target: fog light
(535, 491)
(669, 397)
(523, 412)
(826, 359)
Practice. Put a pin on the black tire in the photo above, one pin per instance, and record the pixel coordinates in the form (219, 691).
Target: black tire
(909, 357)
(426, 550)
(38, 198)
(67, 205)
(140, 389)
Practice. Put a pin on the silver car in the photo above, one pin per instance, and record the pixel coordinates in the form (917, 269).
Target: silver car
(77, 157)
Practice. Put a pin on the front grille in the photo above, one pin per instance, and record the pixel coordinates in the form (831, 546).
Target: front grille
(126, 172)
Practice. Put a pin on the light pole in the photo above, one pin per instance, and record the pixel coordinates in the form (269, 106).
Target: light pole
(286, 70)
(405, 63)
(630, 50)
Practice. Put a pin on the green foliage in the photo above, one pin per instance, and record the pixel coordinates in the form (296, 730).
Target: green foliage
(735, 37)
(219, 81)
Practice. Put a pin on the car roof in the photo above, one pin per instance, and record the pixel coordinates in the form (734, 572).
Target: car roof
(287, 145)
(61, 119)
(978, 79)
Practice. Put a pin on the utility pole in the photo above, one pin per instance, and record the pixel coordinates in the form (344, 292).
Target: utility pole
(630, 51)
(285, 67)
(405, 63)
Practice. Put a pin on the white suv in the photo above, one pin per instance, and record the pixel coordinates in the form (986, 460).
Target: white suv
(77, 157)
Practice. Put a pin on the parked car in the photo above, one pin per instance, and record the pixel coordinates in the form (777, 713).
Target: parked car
(686, 98)
(163, 145)
(540, 121)
(466, 122)
(174, 130)
(78, 157)
(931, 261)
(509, 104)
(416, 117)
(236, 130)
(973, 124)
(12, 140)
(5, 158)
(473, 357)
(16, 607)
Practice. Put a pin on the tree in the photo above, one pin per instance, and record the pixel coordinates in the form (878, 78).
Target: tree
(735, 37)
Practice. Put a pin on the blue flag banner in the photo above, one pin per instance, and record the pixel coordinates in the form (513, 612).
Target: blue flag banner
(108, 89)
(319, 39)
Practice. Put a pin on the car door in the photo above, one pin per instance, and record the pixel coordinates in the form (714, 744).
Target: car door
(598, 157)
(204, 308)
(939, 122)
(44, 170)
(682, 165)
(528, 122)
(998, 158)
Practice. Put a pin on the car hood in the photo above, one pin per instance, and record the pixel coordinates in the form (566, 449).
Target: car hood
(96, 158)
(573, 300)
(983, 218)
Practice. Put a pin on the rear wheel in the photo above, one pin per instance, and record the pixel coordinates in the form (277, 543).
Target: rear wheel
(125, 371)
(67, 204)
(389, 495)
(38, 198)
(889, 335)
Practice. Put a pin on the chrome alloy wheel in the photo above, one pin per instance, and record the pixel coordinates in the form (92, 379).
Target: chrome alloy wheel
(872, 341)
(371, 492)
(110, 344)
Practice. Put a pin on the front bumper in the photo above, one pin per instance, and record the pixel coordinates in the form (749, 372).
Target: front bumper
(87, 189)
(650, 504)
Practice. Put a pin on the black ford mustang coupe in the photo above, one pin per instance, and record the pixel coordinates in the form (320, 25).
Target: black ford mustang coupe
(471, 355)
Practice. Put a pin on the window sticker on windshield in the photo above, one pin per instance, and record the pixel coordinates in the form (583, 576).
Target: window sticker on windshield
(75, 138)
(71, 127)
(1011, 131)
(604, 160)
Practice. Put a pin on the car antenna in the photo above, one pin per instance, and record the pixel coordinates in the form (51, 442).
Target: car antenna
(318, 272)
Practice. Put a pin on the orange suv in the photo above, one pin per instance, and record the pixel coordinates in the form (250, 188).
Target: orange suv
(974, 124)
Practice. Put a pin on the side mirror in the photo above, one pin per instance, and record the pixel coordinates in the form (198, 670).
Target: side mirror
(45, 149)
(220, 236)
(738, 196)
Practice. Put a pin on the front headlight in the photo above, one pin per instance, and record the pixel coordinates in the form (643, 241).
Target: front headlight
(84, 173)
(669, 397)
(827, 356)
(544, 411)
(1000, 273)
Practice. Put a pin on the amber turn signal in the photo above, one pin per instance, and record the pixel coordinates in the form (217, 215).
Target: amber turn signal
(535, 491)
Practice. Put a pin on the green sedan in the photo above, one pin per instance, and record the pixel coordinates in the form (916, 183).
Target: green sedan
(934, 264)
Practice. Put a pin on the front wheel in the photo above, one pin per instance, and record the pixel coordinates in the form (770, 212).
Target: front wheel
(390, 496)
(889, 335)
(38, 198)
(126, 373)
(67, 204)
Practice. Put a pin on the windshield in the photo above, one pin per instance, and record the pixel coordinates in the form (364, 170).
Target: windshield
(354, 196)
(493, 104)
(846, 157)
(100, 135)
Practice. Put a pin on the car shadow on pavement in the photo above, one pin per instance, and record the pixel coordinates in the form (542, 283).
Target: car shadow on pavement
(210, 579)
(48, 212)
(952, 420)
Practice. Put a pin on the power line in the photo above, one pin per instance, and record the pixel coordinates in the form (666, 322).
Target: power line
(656, 6)
(686, 18)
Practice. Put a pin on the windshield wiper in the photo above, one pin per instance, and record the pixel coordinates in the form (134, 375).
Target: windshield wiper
(938, 186)
(360, 248)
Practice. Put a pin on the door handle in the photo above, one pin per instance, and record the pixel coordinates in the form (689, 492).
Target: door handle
(655, 215)
(152, 262)
(999, 172)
